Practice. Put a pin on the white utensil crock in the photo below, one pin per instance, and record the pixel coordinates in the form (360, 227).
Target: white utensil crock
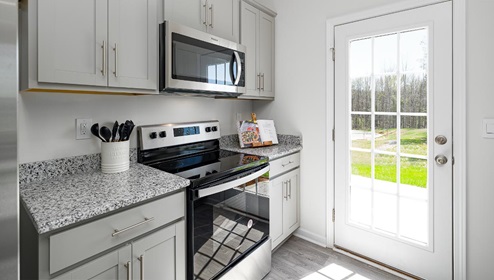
(114, 156)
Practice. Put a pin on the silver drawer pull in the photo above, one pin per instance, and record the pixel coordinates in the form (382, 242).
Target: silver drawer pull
(118, 231)
(286, 164)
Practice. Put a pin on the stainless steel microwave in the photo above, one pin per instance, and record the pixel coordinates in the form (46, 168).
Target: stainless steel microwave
(197, 63)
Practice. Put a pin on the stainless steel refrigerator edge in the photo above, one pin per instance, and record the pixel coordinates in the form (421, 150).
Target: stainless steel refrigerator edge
(9, 194)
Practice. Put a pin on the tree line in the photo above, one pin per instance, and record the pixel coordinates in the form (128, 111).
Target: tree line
(413, 93)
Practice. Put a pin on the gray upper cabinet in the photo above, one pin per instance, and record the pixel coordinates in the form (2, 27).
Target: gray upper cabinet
(71, 35)
(218, 17)
(257, 34)
(98, 43)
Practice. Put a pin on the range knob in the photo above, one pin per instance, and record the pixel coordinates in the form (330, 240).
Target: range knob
(214, 128)
(208, 173)
(153, 135)
(208, 129)
(162, 134)
(214, 171)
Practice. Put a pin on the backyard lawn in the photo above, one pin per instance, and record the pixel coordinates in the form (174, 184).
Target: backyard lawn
(413, 170)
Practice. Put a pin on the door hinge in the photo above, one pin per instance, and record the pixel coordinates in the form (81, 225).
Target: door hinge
(333, 135)
(453, 160)
(332, 53)
(333, 215)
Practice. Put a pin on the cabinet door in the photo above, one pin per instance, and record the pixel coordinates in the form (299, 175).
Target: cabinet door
(72, 35)
(133, 44)
(276, 199)
(224, 19)
(161, 255)
(266, 54)
(249, 38)
(110, 266)
(191, 13)
(291, 219)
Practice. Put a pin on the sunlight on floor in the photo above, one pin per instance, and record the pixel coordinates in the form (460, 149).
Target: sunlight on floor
(334, 272)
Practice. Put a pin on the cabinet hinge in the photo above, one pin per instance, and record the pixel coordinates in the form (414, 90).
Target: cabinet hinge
(333, 53)
(453, 160)
(333, 134)
(333, 215)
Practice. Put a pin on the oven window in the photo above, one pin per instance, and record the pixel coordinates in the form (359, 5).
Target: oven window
(227, 225)
(198, 61)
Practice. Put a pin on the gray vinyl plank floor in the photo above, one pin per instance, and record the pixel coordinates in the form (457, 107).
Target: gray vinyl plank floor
(300, 259)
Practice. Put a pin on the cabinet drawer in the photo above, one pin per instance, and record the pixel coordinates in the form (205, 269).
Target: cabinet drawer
(77, 244)
(283, 164)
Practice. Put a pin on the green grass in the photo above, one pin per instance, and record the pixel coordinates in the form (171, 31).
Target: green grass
(413, 171)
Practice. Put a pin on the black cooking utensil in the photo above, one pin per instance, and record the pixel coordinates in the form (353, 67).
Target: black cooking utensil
(105, 133)
(131, 127)
(120, 132)
(114, 131)
(95, 131)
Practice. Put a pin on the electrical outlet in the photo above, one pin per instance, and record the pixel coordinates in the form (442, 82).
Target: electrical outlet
(83, 128)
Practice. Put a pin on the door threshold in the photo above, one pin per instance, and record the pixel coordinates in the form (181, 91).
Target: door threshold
(375, 263)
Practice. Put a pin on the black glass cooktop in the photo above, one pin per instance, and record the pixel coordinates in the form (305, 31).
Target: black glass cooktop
(210, 166)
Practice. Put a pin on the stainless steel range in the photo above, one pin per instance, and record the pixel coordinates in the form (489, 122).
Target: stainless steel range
(227, 199)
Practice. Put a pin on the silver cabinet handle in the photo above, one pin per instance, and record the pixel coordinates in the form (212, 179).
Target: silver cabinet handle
(129, 270)
(258, 86)
(117, 231)
(290, 188)
(262, 76)
(116, 58)
(211, 16)
(205, 22)
(283, 189)
(141, 260)
(103, 62)
(286, 164)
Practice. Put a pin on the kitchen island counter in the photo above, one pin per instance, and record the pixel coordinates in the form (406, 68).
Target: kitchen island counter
(61, 201)
(288, 144)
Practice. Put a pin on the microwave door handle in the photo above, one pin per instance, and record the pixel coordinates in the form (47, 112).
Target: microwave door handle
(239, 68)
(232, 74)
(231, 184)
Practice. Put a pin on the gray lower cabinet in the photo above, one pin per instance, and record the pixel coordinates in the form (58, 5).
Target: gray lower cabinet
(110, 266)
(284, 217)
(160, 255)
(146, 240)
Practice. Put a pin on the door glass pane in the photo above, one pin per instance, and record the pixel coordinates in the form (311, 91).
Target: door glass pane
(414, 92)
(385, 54)
(361, 94)
(386, 93)
(361, 131)
(385, 136)
(413, 50)
(389, 192)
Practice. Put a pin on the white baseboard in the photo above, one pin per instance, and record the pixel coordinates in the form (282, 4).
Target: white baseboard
(311, 237)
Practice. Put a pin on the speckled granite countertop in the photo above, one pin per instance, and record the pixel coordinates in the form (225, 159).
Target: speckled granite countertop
(288, 144)
(67, 199)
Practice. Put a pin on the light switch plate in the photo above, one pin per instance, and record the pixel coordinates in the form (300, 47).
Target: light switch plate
(488, 128)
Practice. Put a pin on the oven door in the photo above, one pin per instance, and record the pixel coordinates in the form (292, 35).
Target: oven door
(226, 222)
(197, 62)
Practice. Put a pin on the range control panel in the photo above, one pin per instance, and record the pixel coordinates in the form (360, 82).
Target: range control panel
(173, 134)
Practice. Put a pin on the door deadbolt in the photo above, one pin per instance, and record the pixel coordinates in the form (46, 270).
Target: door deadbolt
(441, 160)
(441, 139)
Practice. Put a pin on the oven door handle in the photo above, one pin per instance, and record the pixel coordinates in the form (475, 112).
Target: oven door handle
(231, 184)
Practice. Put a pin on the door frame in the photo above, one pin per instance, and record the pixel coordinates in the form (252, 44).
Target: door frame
(459, 118)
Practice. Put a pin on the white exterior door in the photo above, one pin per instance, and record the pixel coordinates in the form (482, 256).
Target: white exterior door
(393, 144)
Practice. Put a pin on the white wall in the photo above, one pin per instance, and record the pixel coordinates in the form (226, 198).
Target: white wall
(47, 120)
(480, 151)
(300, 105)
